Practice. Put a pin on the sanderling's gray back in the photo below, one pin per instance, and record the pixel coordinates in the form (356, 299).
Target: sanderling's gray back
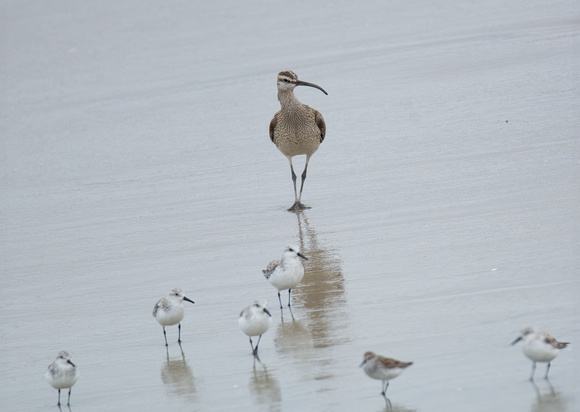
(384, 369)
(62, 374)
(255, 320)
(539, 346)
(169, 311)
(287, 272)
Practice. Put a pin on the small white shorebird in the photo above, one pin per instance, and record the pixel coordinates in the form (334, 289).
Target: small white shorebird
(255, 320)
(385, 369)
(169, 311)
(62, 374)
(539, 346)
(287, 272)
(297, 129)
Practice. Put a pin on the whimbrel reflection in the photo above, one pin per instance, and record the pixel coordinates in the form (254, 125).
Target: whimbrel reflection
(294, 337)
(178, 378)
(320, 319)
(294, 340)
(322, 289)
(264, 387)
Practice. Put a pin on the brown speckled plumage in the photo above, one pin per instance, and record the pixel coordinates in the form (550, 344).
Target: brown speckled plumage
(297, 129)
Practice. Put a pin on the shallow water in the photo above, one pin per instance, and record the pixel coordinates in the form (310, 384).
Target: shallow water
(444, 202)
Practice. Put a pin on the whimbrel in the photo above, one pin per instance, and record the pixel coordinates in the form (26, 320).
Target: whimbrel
(296, 129)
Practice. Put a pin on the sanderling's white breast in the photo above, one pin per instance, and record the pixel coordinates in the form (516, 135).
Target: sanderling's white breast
(62, 374)
(287, 272)
(255, 320)
(539, 346)
(169, 311)
(384, 369)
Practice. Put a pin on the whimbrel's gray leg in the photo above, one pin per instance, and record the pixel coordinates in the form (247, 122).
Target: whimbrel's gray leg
(293, 180)
(297, 204)
(289, 291)
(280, 299)
(179, 337)
(303, 178)
(68, 401)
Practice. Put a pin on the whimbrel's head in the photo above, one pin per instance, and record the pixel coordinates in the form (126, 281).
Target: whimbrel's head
(287, 81)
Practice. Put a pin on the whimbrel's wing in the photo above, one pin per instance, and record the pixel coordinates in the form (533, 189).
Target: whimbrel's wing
(320, 123)
(273, 124)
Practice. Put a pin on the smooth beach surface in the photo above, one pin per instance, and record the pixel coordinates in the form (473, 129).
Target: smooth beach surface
(445, 202)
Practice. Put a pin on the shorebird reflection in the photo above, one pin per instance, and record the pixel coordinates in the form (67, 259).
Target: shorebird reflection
(320, 316)
(178, 378)
(550, 401)
(322, 289)
(264, 387)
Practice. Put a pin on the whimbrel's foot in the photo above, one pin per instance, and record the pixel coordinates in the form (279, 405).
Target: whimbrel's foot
(298, 206)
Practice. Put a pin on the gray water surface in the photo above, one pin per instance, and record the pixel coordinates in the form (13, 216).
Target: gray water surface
(444, 199)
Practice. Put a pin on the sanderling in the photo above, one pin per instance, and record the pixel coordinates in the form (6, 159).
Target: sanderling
(385, 369)
(62, 373)
(169, 311)
(287, 272)
(255, 320)
(539, 346)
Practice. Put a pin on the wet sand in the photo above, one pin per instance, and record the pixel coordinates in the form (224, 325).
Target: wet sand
(444, 200)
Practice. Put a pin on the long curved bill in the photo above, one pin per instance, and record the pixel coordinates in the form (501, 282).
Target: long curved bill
(301, 83)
